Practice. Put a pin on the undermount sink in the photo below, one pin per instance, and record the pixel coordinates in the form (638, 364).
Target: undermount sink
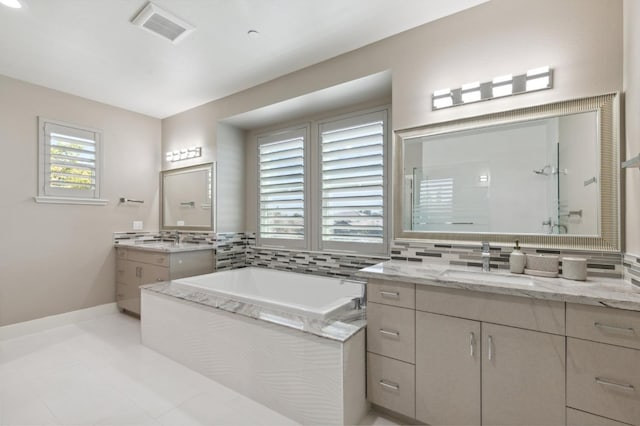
(487, 277)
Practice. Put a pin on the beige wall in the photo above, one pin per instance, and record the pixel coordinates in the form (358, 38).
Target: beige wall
(231, 182)
(580, 39)
(632, 122)
(59, 258)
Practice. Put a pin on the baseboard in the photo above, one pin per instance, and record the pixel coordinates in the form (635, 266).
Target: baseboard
(20, 329)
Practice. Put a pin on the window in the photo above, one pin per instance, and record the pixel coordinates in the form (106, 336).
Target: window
(69, 169)
(281, 159)
(352, 180)
(337, 204)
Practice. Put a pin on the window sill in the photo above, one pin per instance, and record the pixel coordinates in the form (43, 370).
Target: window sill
(70, 200)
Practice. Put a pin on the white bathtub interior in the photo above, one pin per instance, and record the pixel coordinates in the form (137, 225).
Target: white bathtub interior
(312, 296)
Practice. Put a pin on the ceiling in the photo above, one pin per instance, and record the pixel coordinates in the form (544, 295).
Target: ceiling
(90, 48)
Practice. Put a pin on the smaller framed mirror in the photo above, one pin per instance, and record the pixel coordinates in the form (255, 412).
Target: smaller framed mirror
(187, 198)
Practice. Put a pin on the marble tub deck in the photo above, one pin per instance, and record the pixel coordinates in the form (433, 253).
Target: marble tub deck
(341, 328)
(610, 292)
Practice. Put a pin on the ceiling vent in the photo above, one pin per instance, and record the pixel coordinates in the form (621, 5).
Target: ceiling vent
(162, 23)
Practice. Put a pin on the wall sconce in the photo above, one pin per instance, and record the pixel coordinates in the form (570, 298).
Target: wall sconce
(506, 85)
(184, 154)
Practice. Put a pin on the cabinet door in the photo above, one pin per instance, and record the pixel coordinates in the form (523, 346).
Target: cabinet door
(447, 370)
(523, 377)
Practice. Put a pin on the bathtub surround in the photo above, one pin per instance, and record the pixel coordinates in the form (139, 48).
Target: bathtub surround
(311, 379)
(340, 329)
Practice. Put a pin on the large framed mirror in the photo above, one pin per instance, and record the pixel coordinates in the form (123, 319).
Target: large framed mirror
(187, 200)
(547, 175)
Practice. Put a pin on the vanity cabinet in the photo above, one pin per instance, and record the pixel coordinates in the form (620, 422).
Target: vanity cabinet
(137, 266)
(472, 372)
(479, 358)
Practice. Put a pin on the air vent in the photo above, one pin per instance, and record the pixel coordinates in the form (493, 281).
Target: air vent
(162, 23)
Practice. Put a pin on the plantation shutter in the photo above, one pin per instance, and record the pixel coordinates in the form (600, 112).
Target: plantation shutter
(281, 160)
(70, 161)
(352, 183)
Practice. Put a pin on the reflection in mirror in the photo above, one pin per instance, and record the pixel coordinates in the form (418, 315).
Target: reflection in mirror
(532, 177)
(547, 175)
(188, 199)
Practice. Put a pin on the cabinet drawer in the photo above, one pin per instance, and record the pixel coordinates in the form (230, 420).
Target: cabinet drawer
(161, 259)
(152, 274)
(604, 380)
(391, 331)
(580, 418)
(391, 293)
(522, 312)
(606, 325)
(391, 384)
(121, 253)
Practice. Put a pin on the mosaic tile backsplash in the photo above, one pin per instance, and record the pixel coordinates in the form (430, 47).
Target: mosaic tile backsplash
(598, 264)
(237, 250)
(632, 268)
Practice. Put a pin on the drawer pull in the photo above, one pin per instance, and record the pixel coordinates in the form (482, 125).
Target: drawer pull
(628, 330)
(623, 386)
(389, 385)
(472, 343)
(390, 294)
(390, 332)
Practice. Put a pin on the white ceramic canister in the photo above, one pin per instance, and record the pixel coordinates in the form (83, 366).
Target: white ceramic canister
(574, 268)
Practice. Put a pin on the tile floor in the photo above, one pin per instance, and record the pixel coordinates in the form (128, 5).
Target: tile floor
(97, 373)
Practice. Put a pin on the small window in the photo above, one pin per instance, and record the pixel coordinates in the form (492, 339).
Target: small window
(281, 159)
(69, 169)
(352, 192)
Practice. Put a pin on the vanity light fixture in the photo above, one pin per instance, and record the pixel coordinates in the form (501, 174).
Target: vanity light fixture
(471, 92)
(442, 98)
(14, 4)
(502, 86)
(184, 154)
(507, 85)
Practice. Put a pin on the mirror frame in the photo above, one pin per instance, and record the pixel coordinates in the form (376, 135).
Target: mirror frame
(608, 111)
(170, 172)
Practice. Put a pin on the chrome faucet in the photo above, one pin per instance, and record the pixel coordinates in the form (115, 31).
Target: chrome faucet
(486, 257)
(358, 302)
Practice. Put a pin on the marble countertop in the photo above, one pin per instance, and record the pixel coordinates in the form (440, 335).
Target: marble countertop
(340, 328)
(615, 293)
(162, 246)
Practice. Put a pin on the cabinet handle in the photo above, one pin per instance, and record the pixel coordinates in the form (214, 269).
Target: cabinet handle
(390, 333)
(472, 343)
(490, 354)
(391, 294)
(161, 260)
(389, 385)
(159, 279)
(139, 271)
(623, 386)
(614, 328)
